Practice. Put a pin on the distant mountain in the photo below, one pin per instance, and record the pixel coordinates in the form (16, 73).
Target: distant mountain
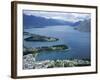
(84, 26)
(76, 23)
(30, 21)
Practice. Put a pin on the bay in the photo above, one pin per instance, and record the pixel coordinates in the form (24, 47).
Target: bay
(78, 42)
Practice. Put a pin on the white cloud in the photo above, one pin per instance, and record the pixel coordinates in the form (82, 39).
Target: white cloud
(66, 16)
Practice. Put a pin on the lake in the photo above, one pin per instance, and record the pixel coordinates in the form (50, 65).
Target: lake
(78, 42)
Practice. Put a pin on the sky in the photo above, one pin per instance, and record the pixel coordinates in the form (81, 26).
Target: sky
(66, 16)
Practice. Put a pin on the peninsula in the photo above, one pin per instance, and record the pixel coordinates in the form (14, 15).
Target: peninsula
(45, 48)
(39, 38)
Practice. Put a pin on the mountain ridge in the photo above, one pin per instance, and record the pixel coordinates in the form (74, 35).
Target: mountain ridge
(30, 21)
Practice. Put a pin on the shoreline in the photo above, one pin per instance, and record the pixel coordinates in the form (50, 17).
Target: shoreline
(29, 62)
(30, 54)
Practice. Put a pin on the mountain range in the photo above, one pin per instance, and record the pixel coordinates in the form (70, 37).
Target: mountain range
(30, 21)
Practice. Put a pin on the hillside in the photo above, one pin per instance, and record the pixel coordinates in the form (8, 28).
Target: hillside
(84, 26)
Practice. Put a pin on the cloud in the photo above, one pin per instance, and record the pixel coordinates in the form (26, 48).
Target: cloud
(66, 16)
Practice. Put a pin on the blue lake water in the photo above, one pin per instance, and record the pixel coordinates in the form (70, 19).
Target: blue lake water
(79, 42)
